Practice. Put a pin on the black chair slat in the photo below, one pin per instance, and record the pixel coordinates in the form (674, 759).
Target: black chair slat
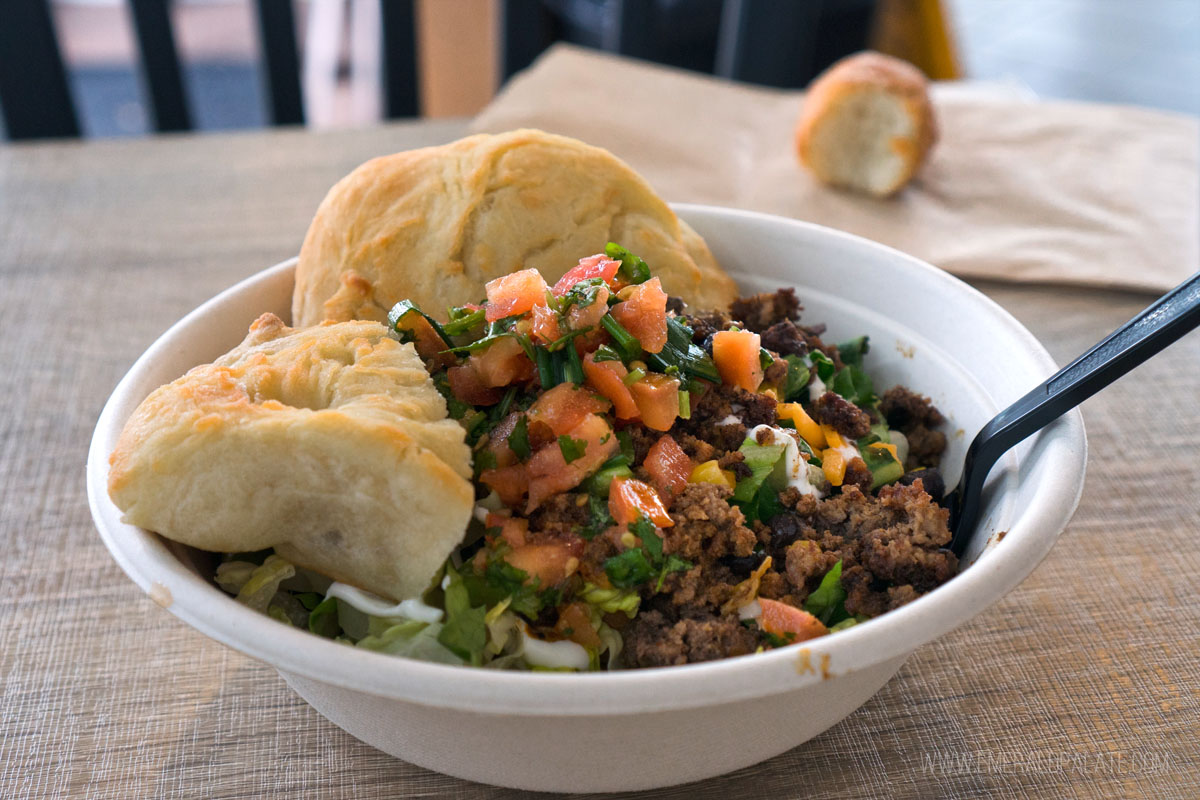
(526, 29)
(630, 28)
(33, 82)
(281, 67)
(767, 41)
(161, 73)
(400, 90)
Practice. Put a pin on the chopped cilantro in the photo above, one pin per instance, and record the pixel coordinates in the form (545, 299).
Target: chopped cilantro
(644, 530)
(629, 568)
(779, 641)
(605, 353)
(684, 355)
(598, 517)
(572, 449)
(673, 564)
(518, 440)
(463, 319)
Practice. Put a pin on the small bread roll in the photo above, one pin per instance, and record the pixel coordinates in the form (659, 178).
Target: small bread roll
(434, 225)
(867, 124)
(330, 444)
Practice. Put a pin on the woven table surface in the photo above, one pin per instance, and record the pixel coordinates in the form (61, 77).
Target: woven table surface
(1083, 682)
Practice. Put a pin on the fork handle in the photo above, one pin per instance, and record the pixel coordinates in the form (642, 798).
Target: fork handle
(1162, 323)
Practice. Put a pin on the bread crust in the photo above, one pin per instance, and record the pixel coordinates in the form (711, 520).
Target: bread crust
(330, 444)
(434, 225)
(875, 72)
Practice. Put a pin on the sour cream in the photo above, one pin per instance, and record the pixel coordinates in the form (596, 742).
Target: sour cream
(795, 467)
(732, 419)
(816, 388)
(376, 606)
(556, 655)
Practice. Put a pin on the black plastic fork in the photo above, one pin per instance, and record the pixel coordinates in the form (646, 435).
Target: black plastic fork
(1162, 323)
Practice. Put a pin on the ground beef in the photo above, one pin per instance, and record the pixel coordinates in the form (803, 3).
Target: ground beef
(776, 374)
(917, 418)
(705, 324)
(717, 404)
(931, 481)
(653, 640)
(562, 513)
(706, 526)
(904, 409)
(925, 447)
(760, 311)
(697, 449)
(843, 416)
(785, 339)
(858, 474)
(806, 564)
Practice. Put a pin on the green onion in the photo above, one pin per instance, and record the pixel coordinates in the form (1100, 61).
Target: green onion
(406, 307)
(545, 367)
(624, 342)
(682, 354)
(685, 404)
(634, 376)
(463, 320)
(572, 366)
(633, 268)
(615, 467)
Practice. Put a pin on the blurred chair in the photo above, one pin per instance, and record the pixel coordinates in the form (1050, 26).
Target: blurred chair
(36, 101)
(783, 43)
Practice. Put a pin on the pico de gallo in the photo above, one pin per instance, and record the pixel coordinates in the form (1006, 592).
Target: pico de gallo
(655, 484)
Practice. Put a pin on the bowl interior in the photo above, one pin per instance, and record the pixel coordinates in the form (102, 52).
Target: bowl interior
(928, 331)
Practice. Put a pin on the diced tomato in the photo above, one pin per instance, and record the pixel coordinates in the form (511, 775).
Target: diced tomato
(575, 623)
(657, 398)
(501, 363)
(545, 324)
(549, 562)
(629, 498)
(498, 440)
(510, 482)
(736, 355)
(606, 377)
(580, 317)
(644, 315)
(668, 465)
(782, 619)
(565, 406)
(597, 266)
(430, 346)
(514, 293)
(512, 529)
(549, 471)
(468, 386)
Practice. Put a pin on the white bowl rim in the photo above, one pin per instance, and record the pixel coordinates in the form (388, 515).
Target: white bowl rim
(292, 651)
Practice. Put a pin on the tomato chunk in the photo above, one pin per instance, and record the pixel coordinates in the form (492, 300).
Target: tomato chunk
(550, 562)
(644, 315)
(782, 619)
(514, 293)
(565, 406)
(502, 362)
(580, 317)
(629, 498)
(468, 386)
(657, 398)
(512, 529)
(736, 355)
(510, 482)
(606, 377)
(545, 325)
(575, 623)
(549, 471)
(597, 266)
(668, 465)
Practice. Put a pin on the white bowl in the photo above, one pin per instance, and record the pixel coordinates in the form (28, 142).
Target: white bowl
(571, 732)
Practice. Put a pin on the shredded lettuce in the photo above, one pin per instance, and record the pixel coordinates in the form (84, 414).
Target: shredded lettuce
(464, 632)
(258, 591)
(415, 640)
(827, 602)
(611, 601)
